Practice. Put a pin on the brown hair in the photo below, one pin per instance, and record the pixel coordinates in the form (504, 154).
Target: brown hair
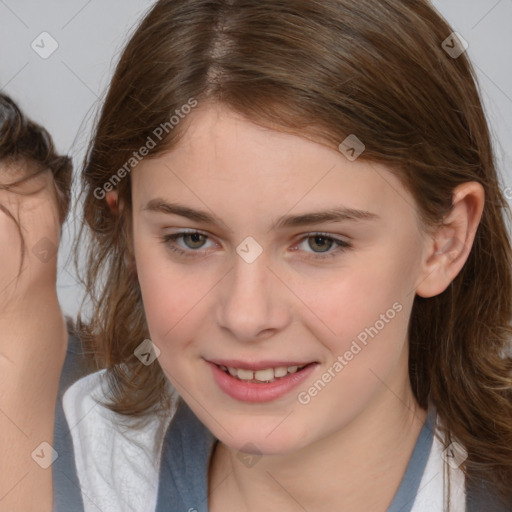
(321, 69)
(28, 148)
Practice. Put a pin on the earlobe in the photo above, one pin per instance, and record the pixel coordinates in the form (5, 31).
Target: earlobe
(111, 198)
(450, 246)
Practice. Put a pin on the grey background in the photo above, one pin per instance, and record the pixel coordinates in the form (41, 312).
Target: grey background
(64, 91)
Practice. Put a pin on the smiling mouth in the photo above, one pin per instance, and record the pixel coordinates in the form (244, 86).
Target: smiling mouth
(262, 376)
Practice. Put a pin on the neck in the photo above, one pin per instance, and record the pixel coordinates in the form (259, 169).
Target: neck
(358, 468)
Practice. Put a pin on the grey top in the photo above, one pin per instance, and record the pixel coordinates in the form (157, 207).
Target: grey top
(186, 453)
(66, 487)
(189, 445)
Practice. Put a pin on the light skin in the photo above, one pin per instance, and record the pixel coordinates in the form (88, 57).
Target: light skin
(358, 433)
(33, 338)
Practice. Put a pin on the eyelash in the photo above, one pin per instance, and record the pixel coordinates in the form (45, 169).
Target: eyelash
(170, 241)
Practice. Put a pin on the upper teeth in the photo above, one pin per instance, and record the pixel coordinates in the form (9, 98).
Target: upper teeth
(266, 375)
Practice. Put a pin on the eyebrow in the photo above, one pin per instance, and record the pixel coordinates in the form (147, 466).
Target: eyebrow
(287, 221)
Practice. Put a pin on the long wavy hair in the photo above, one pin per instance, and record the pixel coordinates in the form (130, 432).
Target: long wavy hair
(325, 70)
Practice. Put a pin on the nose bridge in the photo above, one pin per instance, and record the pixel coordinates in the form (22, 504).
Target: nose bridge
(251, 301)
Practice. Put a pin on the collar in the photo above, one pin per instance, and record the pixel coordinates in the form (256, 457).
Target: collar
(188, 447)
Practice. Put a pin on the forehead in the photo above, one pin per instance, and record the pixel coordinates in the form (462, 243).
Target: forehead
(225, 160)
(12, 171)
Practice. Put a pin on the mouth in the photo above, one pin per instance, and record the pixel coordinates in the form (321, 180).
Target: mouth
(264, 376)
(260, 382)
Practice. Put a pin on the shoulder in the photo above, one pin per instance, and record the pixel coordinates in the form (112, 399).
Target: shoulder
(66, 495)
(444, 481)
(76, 363)
(117, 462)
(111, 461)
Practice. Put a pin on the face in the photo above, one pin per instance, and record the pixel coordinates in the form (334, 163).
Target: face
(33, 205)
(255, 282)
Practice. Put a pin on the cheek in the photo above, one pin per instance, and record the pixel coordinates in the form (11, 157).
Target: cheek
(173, 296)
(158, 289)
(165, 301)
(356, 298)
(364, 331)
(362, 312)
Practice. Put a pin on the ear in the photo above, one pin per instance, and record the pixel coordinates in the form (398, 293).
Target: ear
(111, 198)
(449, 246)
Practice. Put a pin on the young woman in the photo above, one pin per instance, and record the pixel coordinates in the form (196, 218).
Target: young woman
(299, 268)
(34, 202)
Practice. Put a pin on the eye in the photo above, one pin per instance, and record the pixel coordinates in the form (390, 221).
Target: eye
(324, 243)
(193, 240)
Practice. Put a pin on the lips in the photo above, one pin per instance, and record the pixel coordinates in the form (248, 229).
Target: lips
(265, 375)
(260, 371)
(258, 365)
(257, 386)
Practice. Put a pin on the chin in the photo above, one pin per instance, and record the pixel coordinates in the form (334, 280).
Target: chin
(265, 438)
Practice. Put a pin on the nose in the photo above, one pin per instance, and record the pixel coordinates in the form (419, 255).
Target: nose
(254, 303)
